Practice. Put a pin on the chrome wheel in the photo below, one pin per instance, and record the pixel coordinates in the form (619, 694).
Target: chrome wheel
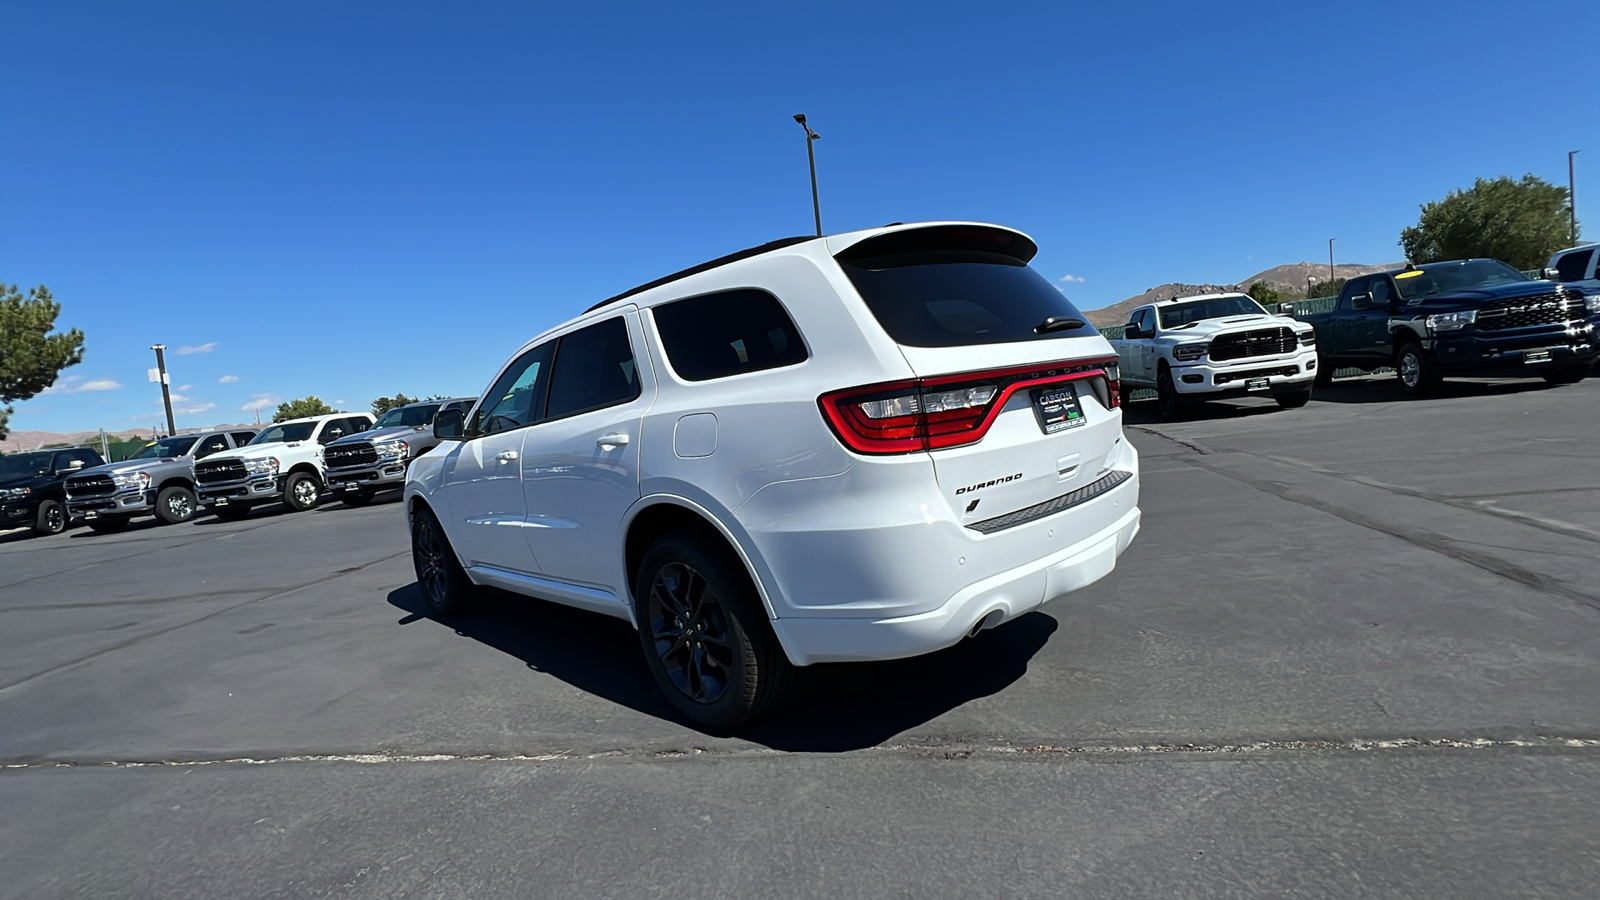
(1410, 369)
(304, 492)
(179, 506)
(690, 632)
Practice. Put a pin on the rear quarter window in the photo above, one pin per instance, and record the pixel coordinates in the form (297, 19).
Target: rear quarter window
(728, 333)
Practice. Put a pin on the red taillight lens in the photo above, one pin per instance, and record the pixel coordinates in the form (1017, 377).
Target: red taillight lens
(948, 411)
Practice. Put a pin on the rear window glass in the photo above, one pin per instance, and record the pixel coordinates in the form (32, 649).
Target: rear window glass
(724, 334)
(954, 298)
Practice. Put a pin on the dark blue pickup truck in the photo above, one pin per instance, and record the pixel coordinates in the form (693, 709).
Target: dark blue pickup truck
(1467, 317)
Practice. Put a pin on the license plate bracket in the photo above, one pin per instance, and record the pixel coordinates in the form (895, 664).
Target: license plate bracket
(222, 501)
(1058, 408)
(1256, 384)
(1536, 356)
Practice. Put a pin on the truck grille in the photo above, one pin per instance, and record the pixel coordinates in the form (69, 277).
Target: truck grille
(1260, 342)
(1525, 312)
(343, 456)
(216, 471)
(90, 486)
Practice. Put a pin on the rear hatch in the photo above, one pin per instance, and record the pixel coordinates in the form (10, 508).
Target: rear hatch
(1016, 395)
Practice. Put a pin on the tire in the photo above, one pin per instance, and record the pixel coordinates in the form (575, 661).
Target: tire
(1294, 400)
(1413, 371)
(705, 635)
(50, 517)
(356, 498)
(175, 505)
(1168, 403)
(445, 586)
(1324, 372)
(233, 512)
(301, 491)
(1567, 374)
(108, 525)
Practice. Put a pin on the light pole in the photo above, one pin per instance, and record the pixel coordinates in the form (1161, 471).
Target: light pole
(811, 157)
(1572, 195)
(1330, 258)
(166, 393)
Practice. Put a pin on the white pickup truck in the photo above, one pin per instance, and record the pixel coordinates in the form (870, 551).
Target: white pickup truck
(283, 463)
(1213, 346)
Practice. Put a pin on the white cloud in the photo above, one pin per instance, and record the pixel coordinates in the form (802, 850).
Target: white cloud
(227, 379)
(1071, 279)
(338, 403)
(99, 384)
(262, 401)
(61, 386)
(194, 410)
(178, 398)
(203, 348)
(185, 387)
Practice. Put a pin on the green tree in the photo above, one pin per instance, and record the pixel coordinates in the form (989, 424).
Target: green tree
(299, 409)
(1326, 288)
(1516, 222)
(384, 404)
(1262, 294)
(31, 358)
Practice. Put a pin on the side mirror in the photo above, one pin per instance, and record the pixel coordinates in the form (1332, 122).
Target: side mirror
(447, 425)
(1362, 301)
(1130, 332)
(1286, 309)
(1550, 274)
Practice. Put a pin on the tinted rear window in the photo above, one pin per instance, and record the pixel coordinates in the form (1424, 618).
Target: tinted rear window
(724, 334)
(955, 298)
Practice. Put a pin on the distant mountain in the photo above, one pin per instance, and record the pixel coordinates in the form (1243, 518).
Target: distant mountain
(1291, 277)
(21, 441)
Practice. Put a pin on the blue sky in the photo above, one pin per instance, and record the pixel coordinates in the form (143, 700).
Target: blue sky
(353, 199)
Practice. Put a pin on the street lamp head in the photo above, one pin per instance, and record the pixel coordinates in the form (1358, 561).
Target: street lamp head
(158, 346)
(800, 117)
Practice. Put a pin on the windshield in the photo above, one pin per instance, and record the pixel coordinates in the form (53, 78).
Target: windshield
(24, 465)
(287, 433)
(172, 446)
(1215, 308)
(1462, 276)
(407, 415)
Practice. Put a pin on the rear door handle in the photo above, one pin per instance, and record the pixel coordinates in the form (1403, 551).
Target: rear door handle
(505, 456)
(612, 440)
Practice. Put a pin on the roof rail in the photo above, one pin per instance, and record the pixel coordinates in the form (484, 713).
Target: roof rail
(706, 267)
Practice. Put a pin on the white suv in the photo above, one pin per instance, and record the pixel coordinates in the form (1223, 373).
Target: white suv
(860, 447)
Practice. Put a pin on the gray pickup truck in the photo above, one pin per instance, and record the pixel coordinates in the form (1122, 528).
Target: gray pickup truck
(357, 467)
(158, 481)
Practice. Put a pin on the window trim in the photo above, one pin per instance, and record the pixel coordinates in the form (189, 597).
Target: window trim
(555, 360)
(666, 357)
(469, 435)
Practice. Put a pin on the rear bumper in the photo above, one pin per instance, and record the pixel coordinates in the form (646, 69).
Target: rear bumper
(982, 605)
(1288, 373)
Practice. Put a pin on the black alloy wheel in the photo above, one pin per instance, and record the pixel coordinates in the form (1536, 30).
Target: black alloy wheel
(445, 586)
(705, 634)
(51, 518)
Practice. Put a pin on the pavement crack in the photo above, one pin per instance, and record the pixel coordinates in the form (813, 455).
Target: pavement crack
(121, 645)
(953, 752)
(1179, 441)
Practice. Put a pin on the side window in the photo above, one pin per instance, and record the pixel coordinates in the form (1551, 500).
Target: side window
(358, 424)
(1573, 266)
(240, 438)
(594, 368)
(1351, 288)
(724, 334)
(1147, 320)
(216, 443)
(1379, 286)
(75, 459)
(517, 399)
(332, 430)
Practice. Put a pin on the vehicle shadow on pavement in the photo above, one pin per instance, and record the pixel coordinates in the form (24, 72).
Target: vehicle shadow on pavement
(830, 708)
(1384, 389)
(1143, 412)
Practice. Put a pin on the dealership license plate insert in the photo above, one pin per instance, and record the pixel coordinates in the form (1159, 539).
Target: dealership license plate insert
(1058, 408)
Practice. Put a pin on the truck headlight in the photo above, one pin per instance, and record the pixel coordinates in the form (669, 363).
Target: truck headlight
(1188, 352)
(137, 480)
(268, 466)
(393, 449)
(1308, 339)
(15, 493)
(1592, 303)
(1452, 321)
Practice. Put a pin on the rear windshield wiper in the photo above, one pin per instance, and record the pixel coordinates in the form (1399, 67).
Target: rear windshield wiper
(1058, 323)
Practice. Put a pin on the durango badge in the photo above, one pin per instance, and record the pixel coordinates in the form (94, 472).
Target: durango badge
(984, 484)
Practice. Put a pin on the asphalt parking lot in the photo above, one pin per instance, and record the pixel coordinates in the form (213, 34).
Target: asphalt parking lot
(1354, 652)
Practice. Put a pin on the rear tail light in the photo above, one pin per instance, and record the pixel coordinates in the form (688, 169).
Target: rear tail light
(951, 410)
